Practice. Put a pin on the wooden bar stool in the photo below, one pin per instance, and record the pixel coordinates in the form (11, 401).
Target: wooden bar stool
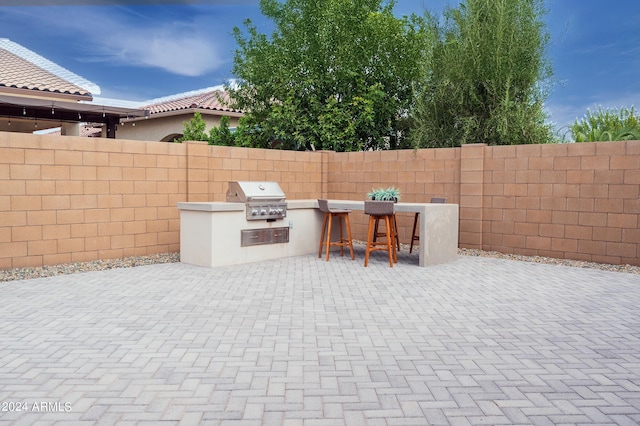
(377, 234)
(414, 237)
(329, 214)
(381, 210)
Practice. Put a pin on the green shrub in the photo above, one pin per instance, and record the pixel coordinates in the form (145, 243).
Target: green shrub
(222, 135)
(607, 125)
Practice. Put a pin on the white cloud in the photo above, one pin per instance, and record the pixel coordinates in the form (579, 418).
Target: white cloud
(118, 35)
(174, 50)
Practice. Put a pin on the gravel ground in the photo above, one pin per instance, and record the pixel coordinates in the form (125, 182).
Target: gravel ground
(98, 265)
(629, 269)
(130, 262)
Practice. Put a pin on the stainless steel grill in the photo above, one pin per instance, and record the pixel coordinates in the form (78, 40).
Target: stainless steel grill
(264, 200)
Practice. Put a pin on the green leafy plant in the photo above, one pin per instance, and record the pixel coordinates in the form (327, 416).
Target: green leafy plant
(334, 75)
(385, 194)
(607, 125)
(194, 129)
(222, 134)
(486, 78)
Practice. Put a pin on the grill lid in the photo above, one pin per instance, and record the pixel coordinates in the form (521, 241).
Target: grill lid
(246, 191)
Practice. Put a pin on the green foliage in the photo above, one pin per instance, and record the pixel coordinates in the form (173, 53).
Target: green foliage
(385, 194)
(335, 74)
(607, 125)
(483, 83)
(194, 129)
(221, 135)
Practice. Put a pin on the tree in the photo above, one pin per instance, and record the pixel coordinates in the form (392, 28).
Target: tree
(485, 79)
(221, 135)
(194, 129)
(607, 125)
(335, 74)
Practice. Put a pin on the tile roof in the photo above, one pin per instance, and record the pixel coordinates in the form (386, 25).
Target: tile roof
(212, 98)
(86, 131)
(21, 68)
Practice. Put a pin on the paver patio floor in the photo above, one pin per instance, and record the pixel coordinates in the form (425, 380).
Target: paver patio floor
(301, 341)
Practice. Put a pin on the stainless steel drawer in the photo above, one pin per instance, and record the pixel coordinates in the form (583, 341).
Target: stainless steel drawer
(254, 237)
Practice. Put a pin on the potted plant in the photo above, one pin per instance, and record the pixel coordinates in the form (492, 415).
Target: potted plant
(385, 194)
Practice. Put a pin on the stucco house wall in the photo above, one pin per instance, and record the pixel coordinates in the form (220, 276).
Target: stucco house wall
(168, 127)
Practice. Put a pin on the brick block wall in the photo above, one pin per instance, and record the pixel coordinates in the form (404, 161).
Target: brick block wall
(68, 199)
(211, 168)
(575, 201)
(419, 174)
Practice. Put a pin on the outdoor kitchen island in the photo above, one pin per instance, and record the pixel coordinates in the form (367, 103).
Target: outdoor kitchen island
(210, 232)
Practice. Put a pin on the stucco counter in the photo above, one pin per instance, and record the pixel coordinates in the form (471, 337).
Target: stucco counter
(210, 231)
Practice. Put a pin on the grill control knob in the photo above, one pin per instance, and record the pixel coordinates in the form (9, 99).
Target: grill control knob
(263, 212)
(254, 212)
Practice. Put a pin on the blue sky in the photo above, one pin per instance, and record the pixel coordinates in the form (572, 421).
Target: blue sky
(154, 49)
